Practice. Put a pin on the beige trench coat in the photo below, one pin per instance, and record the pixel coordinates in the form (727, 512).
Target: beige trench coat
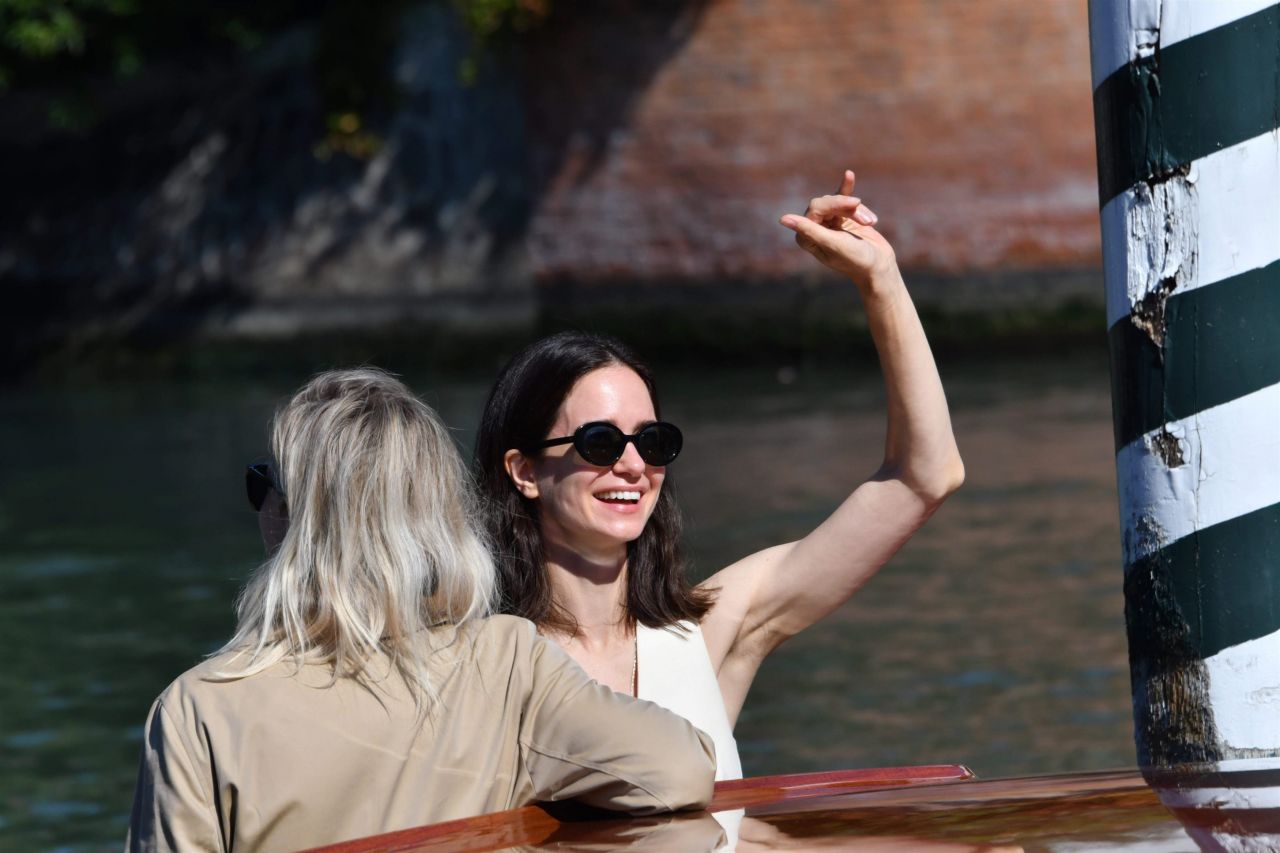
(284, 760)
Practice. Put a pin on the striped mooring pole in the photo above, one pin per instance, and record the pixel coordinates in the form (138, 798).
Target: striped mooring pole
(1186, 108)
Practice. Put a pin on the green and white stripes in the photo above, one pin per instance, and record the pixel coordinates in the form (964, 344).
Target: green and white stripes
(1179, 101)
(1187, 106)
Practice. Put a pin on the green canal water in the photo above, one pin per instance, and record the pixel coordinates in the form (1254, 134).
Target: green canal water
(995, 639)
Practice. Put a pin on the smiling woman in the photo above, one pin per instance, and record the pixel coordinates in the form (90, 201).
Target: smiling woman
(573, 457)
(556, 517)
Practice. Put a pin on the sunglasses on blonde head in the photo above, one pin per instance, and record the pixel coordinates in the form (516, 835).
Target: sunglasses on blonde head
(260, 479)
(601, 443)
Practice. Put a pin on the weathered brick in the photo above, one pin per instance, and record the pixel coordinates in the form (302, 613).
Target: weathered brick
(669, 137)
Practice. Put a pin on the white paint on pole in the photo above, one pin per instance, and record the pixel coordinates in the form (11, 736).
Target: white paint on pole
(1237, 226)
(1244, 691)
(1121, 31)
(1230, 455)
(1234, 842)
(1182, 19)
(1221, 798)
(1150, 234)
(1239, 190)
(1240, 765)
(1221, 807)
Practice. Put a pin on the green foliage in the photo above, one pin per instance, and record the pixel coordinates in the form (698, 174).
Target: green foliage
(61, 47)
(345, 135)
(488, 18)
(38, 29)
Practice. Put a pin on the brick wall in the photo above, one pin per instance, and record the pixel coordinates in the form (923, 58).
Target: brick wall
(670, 136)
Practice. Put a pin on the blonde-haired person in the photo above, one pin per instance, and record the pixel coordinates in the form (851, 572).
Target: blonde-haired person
(367, 688)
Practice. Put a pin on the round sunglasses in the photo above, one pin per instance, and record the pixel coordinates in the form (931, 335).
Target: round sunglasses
(602, 443)
(260, 478)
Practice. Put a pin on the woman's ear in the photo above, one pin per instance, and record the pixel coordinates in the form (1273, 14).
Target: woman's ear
(273, 521)
(520, 470)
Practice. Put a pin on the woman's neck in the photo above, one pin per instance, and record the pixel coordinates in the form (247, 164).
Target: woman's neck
(593, 589)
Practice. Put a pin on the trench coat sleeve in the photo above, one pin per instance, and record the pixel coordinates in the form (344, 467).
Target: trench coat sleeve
(172, 804)
(580, 740)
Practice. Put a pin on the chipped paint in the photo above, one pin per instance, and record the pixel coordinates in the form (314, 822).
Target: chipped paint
(1223, 451)
(1143, 536)
(1238, 228)
(1220, 344)
(1163, 247)
(1166, 445)
(1148, 312)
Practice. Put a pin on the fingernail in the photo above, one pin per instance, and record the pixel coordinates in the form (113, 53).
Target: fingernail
(866, 217)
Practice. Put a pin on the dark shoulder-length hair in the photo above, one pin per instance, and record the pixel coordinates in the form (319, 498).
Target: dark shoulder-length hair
(521, 408)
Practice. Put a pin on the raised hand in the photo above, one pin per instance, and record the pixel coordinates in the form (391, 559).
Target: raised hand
(839, 230)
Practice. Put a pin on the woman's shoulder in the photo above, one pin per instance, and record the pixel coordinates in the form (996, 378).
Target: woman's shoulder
(501, 633)
(192, 695)
(498, 650)
(505, 624)
(512, 642)
(213, 674)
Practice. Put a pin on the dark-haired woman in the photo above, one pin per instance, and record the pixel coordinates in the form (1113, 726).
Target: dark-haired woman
(573, 455)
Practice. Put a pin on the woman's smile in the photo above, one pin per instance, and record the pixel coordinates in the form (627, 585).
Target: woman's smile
(622, 501)
(620, 496)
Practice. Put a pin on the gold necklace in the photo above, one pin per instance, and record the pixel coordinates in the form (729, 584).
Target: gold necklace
(635, 660)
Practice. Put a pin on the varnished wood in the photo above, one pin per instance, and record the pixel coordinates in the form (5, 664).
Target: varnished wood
(909, 808)
(535, 824)
(760, 790)
(527, 825)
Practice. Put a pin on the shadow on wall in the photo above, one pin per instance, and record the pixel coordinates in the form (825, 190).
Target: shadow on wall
(584, 71)
(203, 202)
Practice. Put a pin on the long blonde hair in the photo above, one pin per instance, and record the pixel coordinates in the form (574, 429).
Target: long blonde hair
(382, 539)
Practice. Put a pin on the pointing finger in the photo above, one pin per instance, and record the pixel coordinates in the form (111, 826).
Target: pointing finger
(846, 183)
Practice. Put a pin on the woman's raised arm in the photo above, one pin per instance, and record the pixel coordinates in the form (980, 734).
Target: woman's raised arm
(773, 594)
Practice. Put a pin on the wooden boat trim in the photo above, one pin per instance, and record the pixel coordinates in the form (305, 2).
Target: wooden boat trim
(533, 824)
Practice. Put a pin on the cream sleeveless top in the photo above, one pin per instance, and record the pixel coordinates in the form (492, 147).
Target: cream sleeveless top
(673, 669)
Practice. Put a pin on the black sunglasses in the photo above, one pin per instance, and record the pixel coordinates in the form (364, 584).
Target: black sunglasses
(260, 478)
(602, 443)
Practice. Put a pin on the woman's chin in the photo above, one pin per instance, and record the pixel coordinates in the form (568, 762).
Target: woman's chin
(622, 526)
(625, 533)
